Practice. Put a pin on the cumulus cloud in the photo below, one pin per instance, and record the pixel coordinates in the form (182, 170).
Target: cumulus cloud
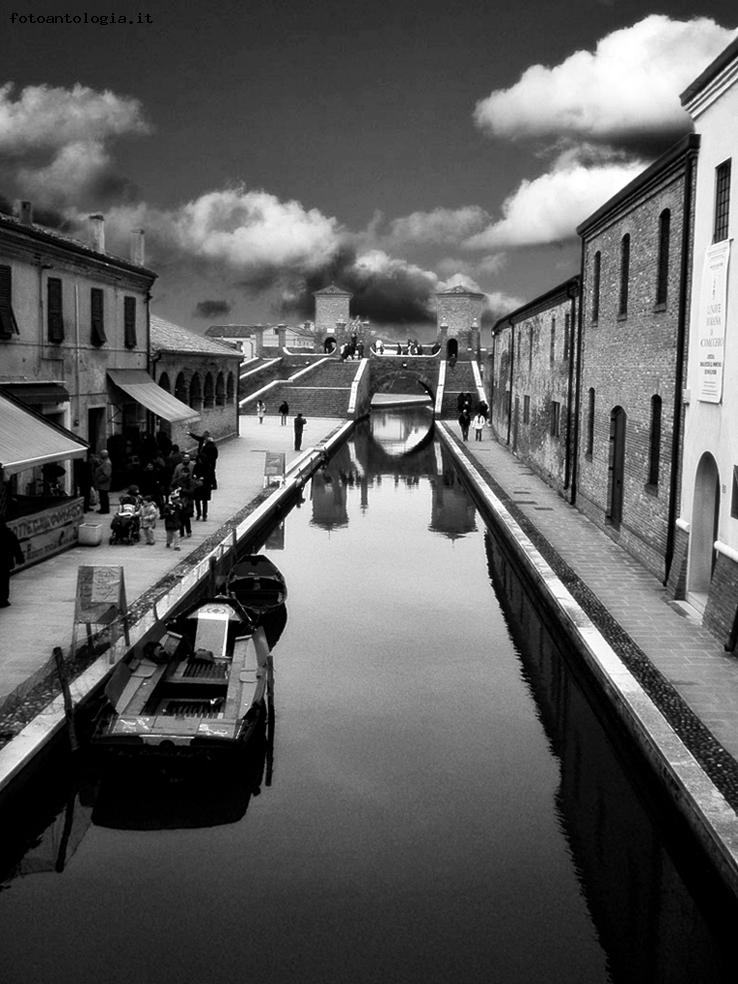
(548, 209)
(625, 92)
(211, 308)
(54, 142)
(438, 226)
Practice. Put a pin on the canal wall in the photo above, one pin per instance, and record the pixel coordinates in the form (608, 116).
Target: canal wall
(698, 800)
(159, 602)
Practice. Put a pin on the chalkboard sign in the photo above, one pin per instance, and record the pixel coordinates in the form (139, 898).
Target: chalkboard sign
(101, 601)
(274, 468)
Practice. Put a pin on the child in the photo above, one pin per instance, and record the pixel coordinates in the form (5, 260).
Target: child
(172, 520)
(186, 511)
(149, 513)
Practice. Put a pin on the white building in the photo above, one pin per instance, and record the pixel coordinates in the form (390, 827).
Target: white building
(707, 535)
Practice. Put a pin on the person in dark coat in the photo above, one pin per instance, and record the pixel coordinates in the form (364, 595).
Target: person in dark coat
(299, 425)
(207, 458)
(102, 478)
(464, 424)
(10, 555)
(284, 409)
(202, 490)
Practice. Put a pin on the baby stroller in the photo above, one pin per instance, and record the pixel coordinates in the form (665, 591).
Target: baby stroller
(126, 525)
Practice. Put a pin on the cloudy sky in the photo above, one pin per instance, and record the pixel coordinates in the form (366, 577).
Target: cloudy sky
(268, 149)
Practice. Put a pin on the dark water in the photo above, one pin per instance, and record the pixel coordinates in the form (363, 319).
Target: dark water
(443, 802)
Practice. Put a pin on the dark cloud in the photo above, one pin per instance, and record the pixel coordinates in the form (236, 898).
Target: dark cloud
(211, 309)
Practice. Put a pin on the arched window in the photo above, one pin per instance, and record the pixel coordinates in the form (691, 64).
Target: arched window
(654, 453)
(208, 391)
(180, 388)
(552, 351)
(195, 400)
(219, 390)
(596, 269)
(662, 274)
(624, 275)
(164, 382)
(590, 423)
(230, 389)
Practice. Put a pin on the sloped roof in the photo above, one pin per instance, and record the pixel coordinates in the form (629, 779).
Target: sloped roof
(332, 289)
(459, 289)
(712, 71)
(247, 331)
(168, 337)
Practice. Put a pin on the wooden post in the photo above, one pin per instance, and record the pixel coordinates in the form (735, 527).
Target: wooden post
(68, 705)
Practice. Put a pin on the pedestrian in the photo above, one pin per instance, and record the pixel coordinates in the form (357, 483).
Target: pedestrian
(201, 492)
(464, 422)
(171, 518)
(182, 474)
(200, 438)
(206, 461)
(478, 422)
(284, 409)
(299, 425)
(149, 514)
(10, 555)
(102, 477)
(380, 347)
(260, 410)
(186, 509)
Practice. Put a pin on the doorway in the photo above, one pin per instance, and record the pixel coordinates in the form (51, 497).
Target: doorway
(452, 350)
(703, 530)
(616, 467)
(96, 428)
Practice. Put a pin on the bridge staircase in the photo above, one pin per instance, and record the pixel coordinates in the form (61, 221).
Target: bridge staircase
(459, 379)
(320, 390)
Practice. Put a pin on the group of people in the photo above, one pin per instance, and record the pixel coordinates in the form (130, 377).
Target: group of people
(176, 492)
(477, 421)
(353, 349)
(284, 410)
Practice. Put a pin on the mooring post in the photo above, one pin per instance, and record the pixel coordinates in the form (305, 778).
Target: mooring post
(67, 696)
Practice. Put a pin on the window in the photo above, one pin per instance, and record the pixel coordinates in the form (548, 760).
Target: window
(555, 418)
(722, 201)
(662, 281)
(530, 348)
(129, 322)
(219, 390)
(230, 389)
(596, 268)
(164, 382)
(526, 409)
(590, 424)
(180, 388)
(734, 497)
(195, 392)
(54, 315)
(8, 324)
(567, 333)
(552, 352)
(624, 274)
(654, 454)
(97, 323)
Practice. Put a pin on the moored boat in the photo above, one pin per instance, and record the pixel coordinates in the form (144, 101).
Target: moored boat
(258, 585)
(198, 692)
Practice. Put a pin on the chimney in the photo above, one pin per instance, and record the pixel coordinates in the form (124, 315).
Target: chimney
(97, 232)
(26, 213)
(137, 247)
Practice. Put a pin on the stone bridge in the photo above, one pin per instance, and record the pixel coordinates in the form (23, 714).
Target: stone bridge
(403, 374)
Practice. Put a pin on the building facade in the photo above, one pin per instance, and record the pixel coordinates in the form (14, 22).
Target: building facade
(459, 314)
(636, 255)
(331, 311)
(532, 375)
(706, 556)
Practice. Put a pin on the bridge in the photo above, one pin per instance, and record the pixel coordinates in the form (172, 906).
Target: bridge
(322, 385)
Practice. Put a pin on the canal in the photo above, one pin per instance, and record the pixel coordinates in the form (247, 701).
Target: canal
(439, 796)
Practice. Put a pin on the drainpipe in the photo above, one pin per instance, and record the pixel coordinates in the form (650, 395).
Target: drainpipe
(76, 357)
(682, 331)
(512, 366)
(570, 385)
(577, 382)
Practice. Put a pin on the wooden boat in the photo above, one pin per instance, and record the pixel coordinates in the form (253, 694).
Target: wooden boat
(198, 692)
(261, 589)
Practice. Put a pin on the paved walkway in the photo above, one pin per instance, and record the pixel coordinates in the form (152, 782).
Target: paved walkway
(43, 597)
(690, 658)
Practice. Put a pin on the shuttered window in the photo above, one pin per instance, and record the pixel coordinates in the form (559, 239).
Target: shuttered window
(662, 272)
(8, 324)
(97, 323)
(722, 202)
(54, 316)
(624, 275)
(129, 321)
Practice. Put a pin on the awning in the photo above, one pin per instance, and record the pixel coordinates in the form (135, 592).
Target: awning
(26, 439)
(36, 392)
(144, 390)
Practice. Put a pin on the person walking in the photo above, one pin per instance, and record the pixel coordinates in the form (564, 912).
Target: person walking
(478, 422)
(260, 410)
(172, 520)
(299, 425)
(202, 491)
(102, 478)
(183, 473)
(186, 509)
(284, 409)
(464, 422)
(10, 555)
(149, 514)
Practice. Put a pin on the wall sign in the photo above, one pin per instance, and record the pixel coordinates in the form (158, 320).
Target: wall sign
(711, 323)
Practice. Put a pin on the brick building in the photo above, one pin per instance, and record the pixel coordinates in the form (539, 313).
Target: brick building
(706, 556)
(635, 268)
(532, 375)
(459, 313)
(331, 311)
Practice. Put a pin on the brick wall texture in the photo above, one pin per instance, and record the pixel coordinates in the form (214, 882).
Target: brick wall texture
(721, 603)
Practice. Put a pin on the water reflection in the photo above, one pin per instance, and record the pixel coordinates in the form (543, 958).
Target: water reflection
(399, 433)
(653, 927)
